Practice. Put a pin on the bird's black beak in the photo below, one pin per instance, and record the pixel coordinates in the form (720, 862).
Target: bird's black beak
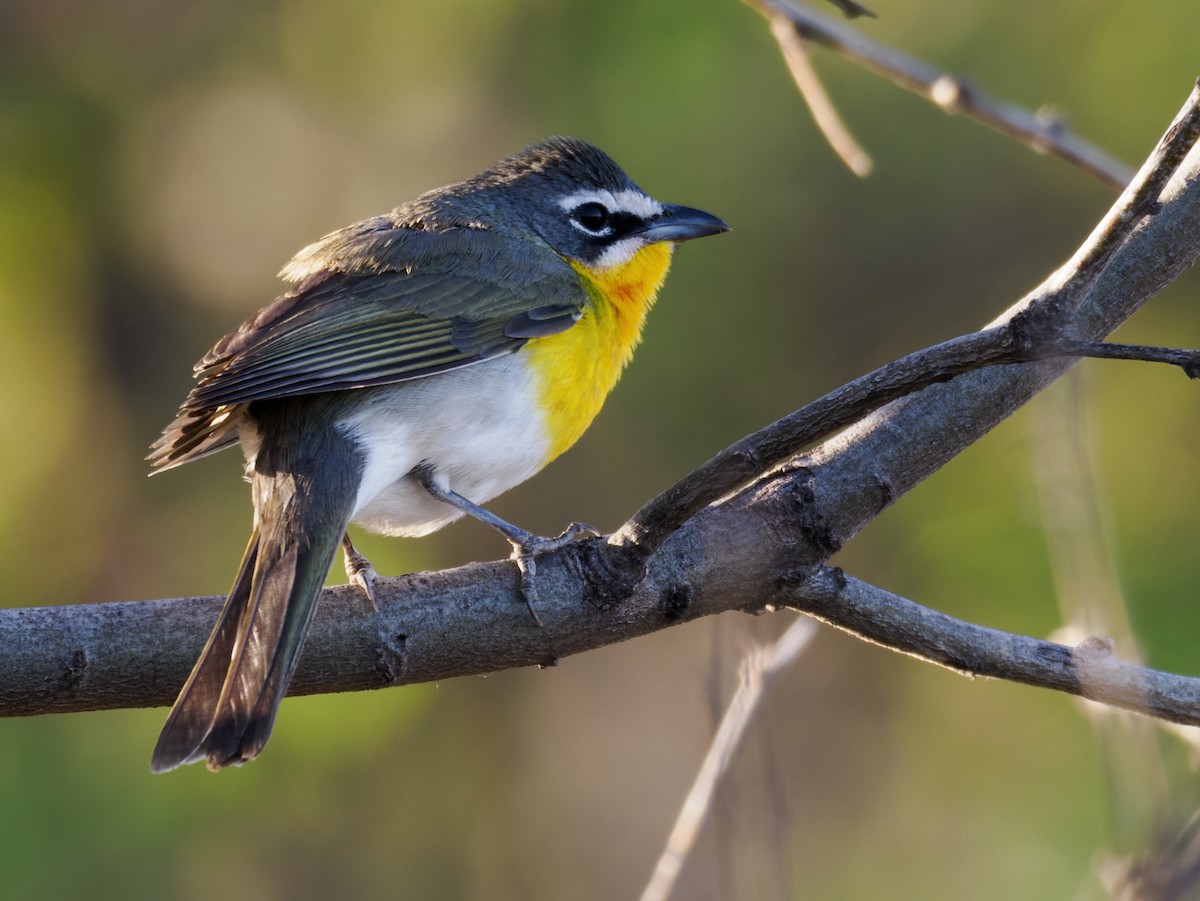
(682, 223)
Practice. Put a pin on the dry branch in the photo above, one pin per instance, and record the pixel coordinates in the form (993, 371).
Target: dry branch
(763, 545)
(1041, 132)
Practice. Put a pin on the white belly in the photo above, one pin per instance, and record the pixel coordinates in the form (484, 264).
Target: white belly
(478, 427)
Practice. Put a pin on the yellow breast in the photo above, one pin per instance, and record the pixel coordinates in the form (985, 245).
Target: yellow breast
(576, 369)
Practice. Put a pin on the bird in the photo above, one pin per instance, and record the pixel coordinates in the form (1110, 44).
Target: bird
(421, 363)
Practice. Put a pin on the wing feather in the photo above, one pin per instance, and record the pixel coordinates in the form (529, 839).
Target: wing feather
(374, 304)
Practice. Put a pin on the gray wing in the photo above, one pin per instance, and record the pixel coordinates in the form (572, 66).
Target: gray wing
(376, 304)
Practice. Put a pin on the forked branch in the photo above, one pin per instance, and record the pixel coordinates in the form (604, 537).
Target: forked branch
(749, 530)
(793, 24)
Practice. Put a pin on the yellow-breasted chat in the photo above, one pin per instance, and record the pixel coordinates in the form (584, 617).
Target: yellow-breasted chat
(422, 363)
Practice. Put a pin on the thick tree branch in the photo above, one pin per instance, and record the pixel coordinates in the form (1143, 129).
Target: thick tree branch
(1042, 133)
(764, 545)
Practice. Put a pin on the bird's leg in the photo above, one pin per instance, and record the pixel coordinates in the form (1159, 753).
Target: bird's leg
(526, 546)
(359, 570)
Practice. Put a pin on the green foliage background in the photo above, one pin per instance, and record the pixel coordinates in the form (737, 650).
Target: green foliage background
(158, 162)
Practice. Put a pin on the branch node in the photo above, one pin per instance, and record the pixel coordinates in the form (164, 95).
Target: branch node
(798, 496)
(949, 93)
(675, 601)
(74, 670)
(794, 579)
(1097, 646)
(391, 658)
(1035, 331)
(610, 572)
(887, 491)
(1052, 120)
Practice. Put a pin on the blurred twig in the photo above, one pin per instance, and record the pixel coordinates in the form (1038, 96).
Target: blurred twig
(759, 668)
(1041, 132)
(1076, 521)
(825, 114)
(1169, 872)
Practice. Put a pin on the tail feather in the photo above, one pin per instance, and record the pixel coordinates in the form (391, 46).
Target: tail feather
(227, 707)
(262, 669)
(190, 721)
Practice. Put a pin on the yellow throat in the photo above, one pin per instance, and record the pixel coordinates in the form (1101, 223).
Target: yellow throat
(576, 369)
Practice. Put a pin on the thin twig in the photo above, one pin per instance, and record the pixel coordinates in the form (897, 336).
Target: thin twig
(759, 669)
(824, 113)
(1169, 871)
(1089, 670)
(949, 93)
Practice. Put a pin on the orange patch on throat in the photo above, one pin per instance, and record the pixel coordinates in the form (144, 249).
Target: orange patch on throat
(576, 369)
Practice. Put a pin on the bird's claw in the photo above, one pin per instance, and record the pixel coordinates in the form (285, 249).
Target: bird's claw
(529, 547)
(527, 566)
(360, 572)
(576, 531)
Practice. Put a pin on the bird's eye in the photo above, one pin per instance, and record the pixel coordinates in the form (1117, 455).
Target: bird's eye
(592, 216)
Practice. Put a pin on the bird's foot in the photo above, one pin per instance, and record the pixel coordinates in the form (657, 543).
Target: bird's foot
(360, 572)
(527, 547)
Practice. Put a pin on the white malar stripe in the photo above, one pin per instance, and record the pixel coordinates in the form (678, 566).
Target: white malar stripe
(618, 254)
(627, 200)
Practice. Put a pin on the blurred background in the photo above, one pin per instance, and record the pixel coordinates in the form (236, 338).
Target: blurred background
(159, 161)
